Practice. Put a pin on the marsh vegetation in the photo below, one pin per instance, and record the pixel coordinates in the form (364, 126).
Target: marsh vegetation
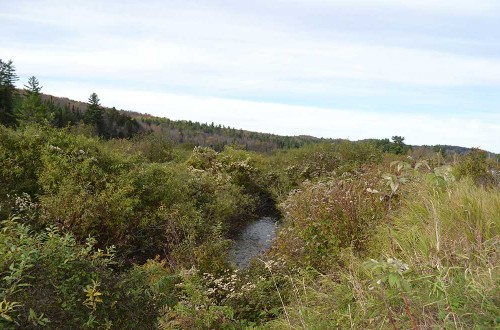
(135, 231)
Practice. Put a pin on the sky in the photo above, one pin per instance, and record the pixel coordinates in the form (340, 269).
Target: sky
(428, 70)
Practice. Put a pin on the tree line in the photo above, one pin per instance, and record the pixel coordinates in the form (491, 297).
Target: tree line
(27, 106)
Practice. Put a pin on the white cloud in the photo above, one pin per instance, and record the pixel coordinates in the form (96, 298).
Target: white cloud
(215, 49)
(299, 67)
(460, 7)
(463, 130)
(209, 49)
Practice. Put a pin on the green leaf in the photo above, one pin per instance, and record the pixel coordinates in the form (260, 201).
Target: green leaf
(405, 285)
(393, 280)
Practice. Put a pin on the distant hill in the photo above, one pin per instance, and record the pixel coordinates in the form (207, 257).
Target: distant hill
(194, 133)
(125, 123)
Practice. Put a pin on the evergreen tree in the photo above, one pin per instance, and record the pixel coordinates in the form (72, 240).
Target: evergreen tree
(33, 87)
(93, 114)
(32, 109)
(399, 140)
(7, 92)
(398, 146)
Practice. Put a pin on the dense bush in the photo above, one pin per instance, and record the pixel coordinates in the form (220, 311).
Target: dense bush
(474, 165)
(19, 164)
(44, 276)
(144, 208)
(170, 211)
(228, 186)
(322, 218)
(445, 271)
(288, 169)
(48, 278)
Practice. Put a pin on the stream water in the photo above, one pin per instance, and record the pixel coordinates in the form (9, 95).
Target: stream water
(253, 240)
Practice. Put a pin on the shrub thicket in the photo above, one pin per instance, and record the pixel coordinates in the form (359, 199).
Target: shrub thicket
(127, 234)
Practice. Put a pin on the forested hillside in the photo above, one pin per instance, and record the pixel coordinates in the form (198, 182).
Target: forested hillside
(112, 221)
(63, 112)
(215, 136)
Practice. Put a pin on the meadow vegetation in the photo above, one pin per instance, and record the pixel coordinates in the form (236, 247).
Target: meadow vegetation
(132, 232)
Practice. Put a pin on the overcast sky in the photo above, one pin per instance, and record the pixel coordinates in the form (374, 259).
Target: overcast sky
(428, 70)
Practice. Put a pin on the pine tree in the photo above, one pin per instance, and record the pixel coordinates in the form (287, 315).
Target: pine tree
(93, 114)
(398, 146)
(32, 109)
(33, 87)
(7, 92)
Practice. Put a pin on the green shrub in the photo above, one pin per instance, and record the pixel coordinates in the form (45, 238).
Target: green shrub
(232, 299)
(446, 267)
(155, 147)
(223, 188)
(45, 275)
(325, 217)
(19, 164)
(196, 309)
(474, 165)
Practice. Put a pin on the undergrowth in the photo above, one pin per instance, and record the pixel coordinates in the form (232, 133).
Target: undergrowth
(446, 263)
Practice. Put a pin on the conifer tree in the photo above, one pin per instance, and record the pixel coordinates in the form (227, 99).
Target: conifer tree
(398, 146)
(32, 109)
(7, 92)
(33, 87)
(93, 114)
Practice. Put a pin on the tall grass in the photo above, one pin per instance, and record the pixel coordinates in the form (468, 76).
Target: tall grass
(443, 227)
(449, 238)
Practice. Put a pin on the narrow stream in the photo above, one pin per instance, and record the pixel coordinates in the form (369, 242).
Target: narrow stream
(253, 240)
